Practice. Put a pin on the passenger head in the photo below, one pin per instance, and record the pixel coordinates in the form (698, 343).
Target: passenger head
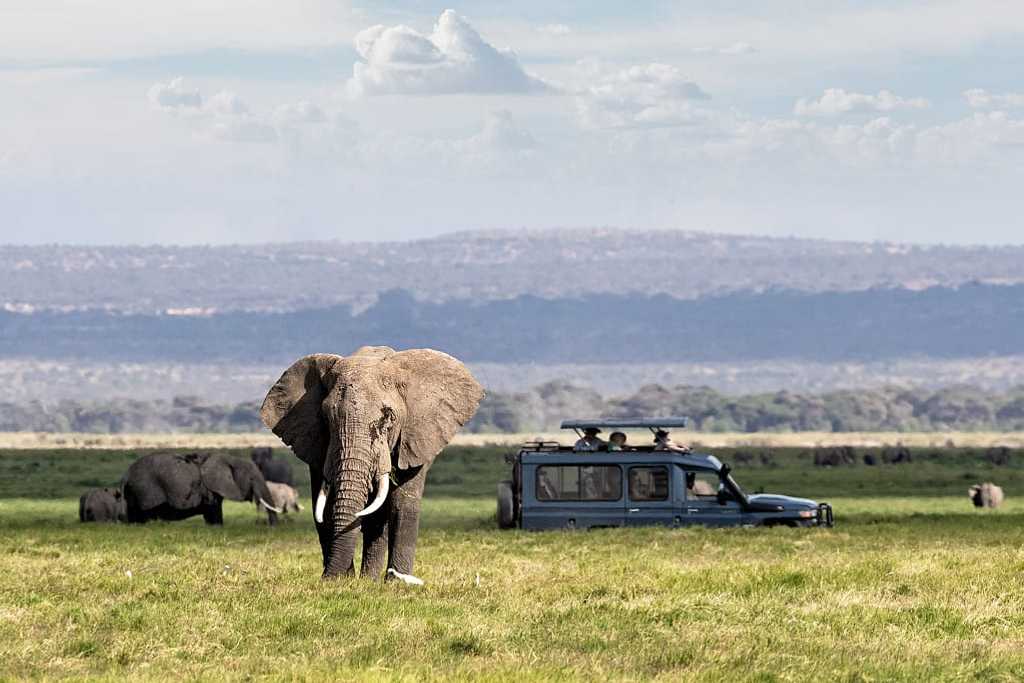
(660, 436)
(617, 438)
(591, 432)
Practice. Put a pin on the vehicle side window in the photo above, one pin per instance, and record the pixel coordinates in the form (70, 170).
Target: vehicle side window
(701, 486)
(579, 482)
(648, 483)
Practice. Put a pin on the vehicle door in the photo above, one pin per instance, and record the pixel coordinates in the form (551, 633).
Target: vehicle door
(702, 502)
(649, 496)
(578, 496)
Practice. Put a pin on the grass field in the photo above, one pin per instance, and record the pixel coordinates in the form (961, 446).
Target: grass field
(911, 584)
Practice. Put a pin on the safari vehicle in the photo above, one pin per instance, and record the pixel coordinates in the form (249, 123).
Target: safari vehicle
(556, 487)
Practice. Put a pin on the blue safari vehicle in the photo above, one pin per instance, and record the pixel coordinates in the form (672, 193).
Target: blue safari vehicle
(563, 487)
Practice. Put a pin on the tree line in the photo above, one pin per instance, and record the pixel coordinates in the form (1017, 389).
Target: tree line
(956, 408)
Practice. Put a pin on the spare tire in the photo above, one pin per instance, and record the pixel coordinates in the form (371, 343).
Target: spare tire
(506, 509)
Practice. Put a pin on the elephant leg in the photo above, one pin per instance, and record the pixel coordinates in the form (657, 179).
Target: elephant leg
(316, 479)
(271, 518)
(375, 543)
(213, 514)
(404, 526)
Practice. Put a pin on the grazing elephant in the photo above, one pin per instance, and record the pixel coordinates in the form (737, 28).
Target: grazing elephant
(272, 470)
(986, 495)
(102, 505)
(370, 423)
(284, 496)
(174, 486)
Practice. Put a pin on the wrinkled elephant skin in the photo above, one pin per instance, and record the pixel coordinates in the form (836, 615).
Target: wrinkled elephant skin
(369, 425)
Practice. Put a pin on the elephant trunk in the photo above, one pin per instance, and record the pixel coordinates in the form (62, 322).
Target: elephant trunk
(351, 491)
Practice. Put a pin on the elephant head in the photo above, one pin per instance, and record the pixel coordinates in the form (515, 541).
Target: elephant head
(236, 479)
(362, 419)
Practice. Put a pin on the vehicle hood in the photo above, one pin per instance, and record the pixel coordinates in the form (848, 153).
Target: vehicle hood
(772, 501)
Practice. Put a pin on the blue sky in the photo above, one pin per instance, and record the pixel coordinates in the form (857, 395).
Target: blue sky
(231, 121)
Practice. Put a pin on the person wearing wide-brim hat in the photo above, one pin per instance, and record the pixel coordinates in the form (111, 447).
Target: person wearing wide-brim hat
(590, 441)
(663, 442)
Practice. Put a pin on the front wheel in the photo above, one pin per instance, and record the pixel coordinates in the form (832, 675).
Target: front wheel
(506, 511)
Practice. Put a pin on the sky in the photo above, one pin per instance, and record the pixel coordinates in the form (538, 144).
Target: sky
(222, 121)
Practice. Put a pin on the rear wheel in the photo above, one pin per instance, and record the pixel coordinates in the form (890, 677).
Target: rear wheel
(506, 511)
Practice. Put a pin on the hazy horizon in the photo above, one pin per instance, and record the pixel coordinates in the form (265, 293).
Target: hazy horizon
(502, 232)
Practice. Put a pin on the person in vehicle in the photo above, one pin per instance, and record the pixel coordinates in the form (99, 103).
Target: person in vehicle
(698, 488)
(590, 441)
(617, 441)
(545, 489)
(663, 442)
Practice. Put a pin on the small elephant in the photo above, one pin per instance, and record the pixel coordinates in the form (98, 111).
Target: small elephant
(369, 426)
(102, 505)
(285, 497)
(273, 470)
(175, 486)
(986, 495)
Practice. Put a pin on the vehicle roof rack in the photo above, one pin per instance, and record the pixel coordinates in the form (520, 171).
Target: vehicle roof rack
(626, 423)
(541, 446)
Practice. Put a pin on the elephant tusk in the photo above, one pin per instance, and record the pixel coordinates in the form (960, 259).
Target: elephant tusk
(269, 506)
(321, 503)
(382, 495)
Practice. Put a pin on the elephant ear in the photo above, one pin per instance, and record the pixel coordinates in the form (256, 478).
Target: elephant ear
(440, 396)
(218, 476)
(292, 407)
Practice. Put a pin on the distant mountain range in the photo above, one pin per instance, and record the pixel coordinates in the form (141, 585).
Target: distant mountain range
(967, 322)
(474, 267)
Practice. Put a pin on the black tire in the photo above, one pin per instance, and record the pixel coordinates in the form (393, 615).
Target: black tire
(506, 510)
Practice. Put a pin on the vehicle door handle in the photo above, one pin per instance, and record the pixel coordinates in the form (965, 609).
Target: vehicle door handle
(634, 509)
(691, 510)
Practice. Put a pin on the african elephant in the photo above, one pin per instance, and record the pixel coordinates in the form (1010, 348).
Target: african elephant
(174, 486)
(284, 497)
(272, 470)
(986, 495)
(102, 505)
(372, 422)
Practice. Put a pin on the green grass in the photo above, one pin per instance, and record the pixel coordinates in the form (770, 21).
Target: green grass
(912, 584)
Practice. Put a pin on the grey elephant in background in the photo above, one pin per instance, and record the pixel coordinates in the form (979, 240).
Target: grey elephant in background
(175, 486)
(986, 495)
(284, 497)
(272, 470)
(370, 423)
(102, 505)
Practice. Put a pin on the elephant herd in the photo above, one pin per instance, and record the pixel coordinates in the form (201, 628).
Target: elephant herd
(367, 425)
(174, 486)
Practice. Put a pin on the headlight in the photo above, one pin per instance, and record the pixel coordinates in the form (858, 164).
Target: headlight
(808, 514)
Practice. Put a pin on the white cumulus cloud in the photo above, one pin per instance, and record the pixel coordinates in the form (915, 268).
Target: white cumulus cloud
(174, 96)
(453, 59)
(226, 116)
(641, 96)
(978, 98)
(836, 101)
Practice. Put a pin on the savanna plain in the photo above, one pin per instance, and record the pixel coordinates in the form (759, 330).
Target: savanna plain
(913, 583)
